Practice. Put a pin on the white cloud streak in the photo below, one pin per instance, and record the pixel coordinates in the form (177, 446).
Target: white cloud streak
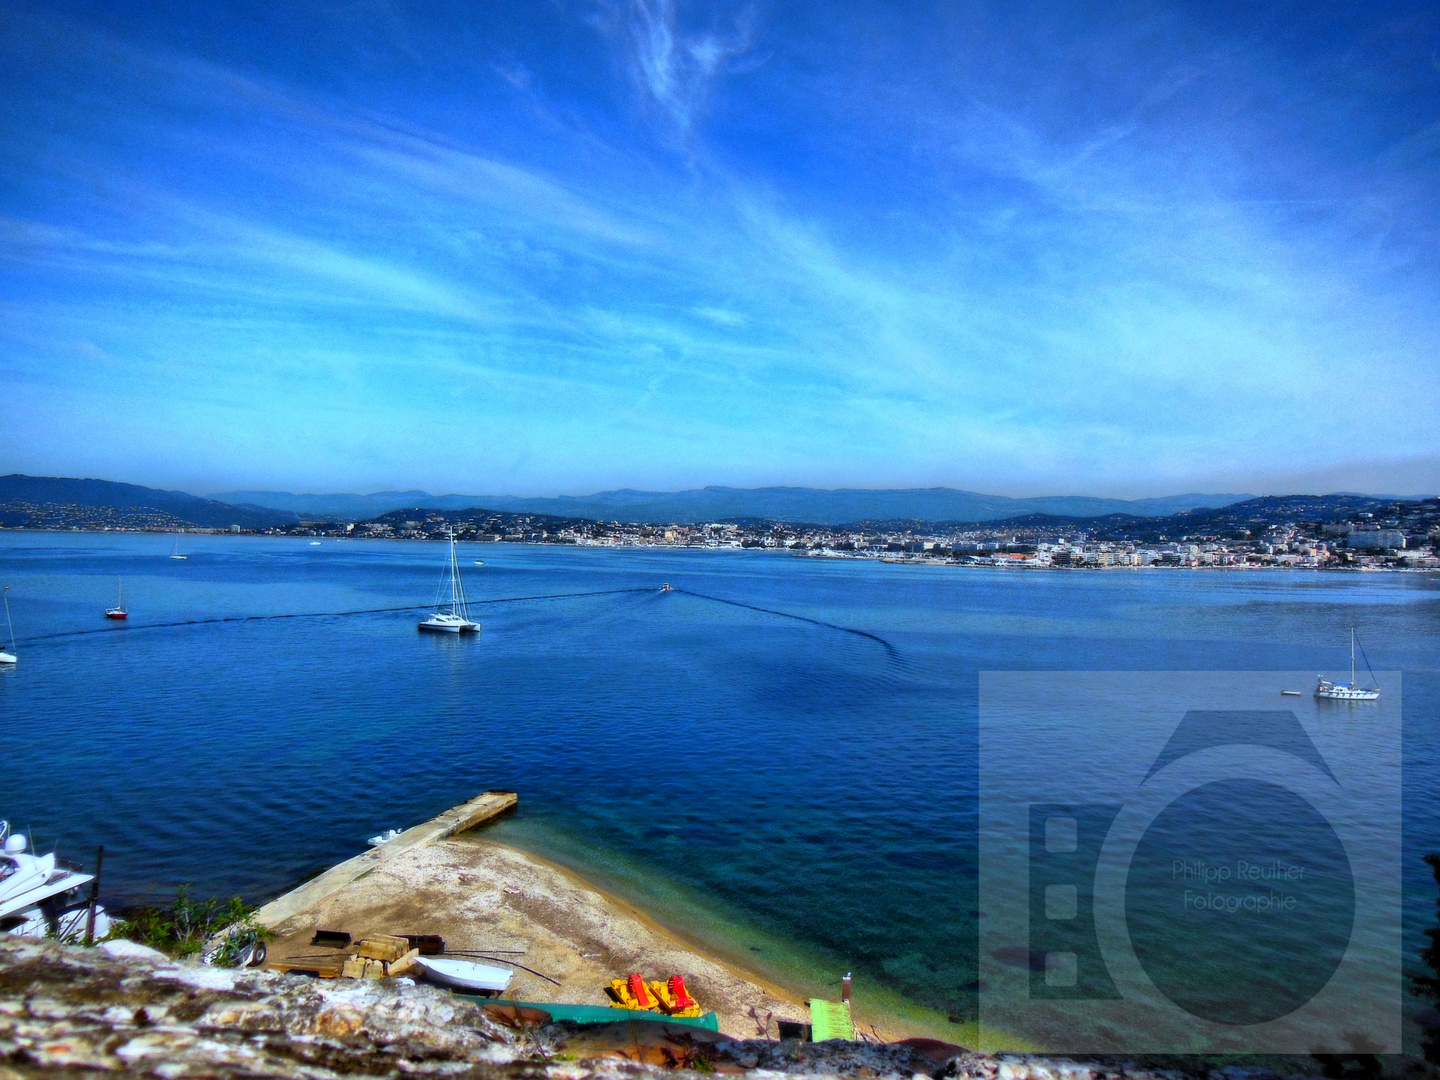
(677, 69)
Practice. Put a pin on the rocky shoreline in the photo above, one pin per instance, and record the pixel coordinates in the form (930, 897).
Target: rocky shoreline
(123, 1010)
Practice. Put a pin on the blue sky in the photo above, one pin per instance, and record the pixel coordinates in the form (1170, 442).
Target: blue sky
(556, 247)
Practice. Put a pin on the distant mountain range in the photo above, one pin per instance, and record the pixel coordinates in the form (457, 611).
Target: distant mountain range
(788, 504)
(135, 502)
(59, 502)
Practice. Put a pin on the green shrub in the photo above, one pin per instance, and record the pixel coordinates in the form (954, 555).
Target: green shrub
(185, 926)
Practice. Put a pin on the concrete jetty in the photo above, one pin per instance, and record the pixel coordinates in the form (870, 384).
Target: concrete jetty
(455, 820)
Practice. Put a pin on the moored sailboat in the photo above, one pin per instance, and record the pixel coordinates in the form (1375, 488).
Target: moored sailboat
(175, 554)
(118, 611)
(1351, 691)
(8, 657)
(451, 616)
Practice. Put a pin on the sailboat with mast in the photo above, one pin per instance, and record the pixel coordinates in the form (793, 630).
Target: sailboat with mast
(175, 554)
(451, 616)
(1351, 691)
(118, 611)
(8, 657)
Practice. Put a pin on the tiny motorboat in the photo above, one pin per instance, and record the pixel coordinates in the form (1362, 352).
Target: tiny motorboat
(314, 543)
(118, 611)
(1290, 693)
(667, 587)
(383, 838)
(465, 974)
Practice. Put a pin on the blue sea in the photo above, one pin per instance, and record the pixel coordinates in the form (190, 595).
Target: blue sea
(779, 758)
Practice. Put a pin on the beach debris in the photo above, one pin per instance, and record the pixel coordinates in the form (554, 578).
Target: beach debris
(337, 938)
(384, 837)
(793, 1029)
(428, 944)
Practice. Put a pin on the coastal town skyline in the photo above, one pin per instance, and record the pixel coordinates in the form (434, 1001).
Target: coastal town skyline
(1132, 250)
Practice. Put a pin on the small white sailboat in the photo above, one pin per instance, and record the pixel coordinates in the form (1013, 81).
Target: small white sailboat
(314, 543)
(176, 553)
(8, 657)
(465, 974)
(1351, 691)
(451, 616)
(118, 611)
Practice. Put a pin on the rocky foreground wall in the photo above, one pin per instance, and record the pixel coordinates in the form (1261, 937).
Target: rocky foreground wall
(120, 1010)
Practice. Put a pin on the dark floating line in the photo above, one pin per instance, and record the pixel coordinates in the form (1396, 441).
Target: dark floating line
(306, 615)
(894, 654)
(890, 649)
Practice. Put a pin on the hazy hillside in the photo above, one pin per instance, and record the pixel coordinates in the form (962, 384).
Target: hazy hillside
(42, 492)
(1241, 519)
(820, 506)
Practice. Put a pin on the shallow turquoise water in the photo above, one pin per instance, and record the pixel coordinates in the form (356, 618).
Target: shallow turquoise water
(805, 783)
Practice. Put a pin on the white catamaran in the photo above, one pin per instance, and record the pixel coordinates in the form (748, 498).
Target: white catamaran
(8, 657)
(1351, 691)
(451, 616)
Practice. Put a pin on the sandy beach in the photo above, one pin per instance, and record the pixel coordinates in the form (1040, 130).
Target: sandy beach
(481, 895)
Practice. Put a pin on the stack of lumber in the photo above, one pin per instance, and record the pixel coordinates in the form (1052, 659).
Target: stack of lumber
(380, 957)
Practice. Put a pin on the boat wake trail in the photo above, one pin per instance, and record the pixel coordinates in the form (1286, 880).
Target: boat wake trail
(894, 653)
(310, 615)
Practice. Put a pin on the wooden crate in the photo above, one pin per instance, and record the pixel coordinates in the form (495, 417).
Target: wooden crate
(383, 947)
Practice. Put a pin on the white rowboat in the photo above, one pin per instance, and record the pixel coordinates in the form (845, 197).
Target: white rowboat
(465, 974)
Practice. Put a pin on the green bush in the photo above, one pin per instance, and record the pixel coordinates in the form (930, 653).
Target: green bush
(185, 926)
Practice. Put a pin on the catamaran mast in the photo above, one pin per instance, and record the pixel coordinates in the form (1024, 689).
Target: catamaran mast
(457, 586)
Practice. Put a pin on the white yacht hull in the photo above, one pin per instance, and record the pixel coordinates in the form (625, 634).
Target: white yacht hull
(1346, 693)
(69, 925)
(8, 658)
(442, 627)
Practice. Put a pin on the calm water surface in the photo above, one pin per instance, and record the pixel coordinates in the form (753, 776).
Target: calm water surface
(790, 792)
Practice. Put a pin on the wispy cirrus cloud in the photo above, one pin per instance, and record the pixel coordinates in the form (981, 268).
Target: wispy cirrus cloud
(675, 67)
(939, 282)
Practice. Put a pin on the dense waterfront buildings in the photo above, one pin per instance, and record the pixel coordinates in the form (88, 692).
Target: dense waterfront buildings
(1398, 536)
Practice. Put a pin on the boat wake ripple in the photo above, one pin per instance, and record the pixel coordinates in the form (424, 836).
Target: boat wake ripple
(890, 649)
(312, 614)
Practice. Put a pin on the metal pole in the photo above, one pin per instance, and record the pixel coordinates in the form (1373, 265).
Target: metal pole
(94, 896)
